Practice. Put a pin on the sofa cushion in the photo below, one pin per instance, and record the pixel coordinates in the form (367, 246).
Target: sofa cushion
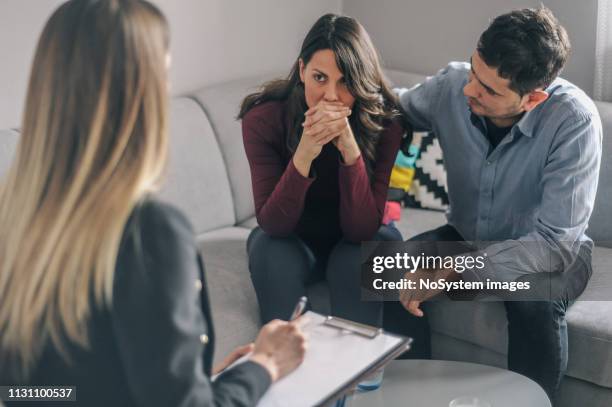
(196, 172)
(415, 221)
(221, 103)
(249, 223)
(599, 224)
(233, 302)
(589, 324)
(8, 146)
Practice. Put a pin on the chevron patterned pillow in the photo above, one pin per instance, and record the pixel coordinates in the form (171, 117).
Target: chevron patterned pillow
(428, 189)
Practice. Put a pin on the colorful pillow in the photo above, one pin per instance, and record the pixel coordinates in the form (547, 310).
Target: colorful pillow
(402, 175)
(418, 178)
(428, 188)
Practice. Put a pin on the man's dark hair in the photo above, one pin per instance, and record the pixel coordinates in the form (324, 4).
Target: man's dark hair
(529, 47)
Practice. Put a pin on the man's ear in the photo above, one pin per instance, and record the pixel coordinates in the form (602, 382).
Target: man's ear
(534, 98)
(301, 62)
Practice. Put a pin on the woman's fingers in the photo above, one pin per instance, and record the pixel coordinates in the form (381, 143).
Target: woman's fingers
(336, 128)
(328, 139)
(239, 352)
(321, 135)
(233, 356)
(326, 116)
(243, 350)
(300, 321)
(321, 131)
(325, 113)
(325, 105)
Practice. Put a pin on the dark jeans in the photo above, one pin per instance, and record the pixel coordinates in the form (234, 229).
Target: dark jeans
(281, 268)
(537, 330)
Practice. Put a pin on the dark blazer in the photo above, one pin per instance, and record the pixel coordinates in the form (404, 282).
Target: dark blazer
(154, 346)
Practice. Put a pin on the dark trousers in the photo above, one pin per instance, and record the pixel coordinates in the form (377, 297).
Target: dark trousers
(282, 268)
(537, 330)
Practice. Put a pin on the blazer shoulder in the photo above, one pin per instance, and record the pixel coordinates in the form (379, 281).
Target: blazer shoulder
(152, 215)
(153, 228)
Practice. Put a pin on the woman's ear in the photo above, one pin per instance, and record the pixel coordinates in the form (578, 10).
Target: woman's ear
(301, 63)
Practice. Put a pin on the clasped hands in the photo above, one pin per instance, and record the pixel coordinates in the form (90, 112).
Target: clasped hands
(326, 122)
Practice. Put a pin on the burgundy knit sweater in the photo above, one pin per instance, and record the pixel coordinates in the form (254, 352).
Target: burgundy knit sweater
(338, 201)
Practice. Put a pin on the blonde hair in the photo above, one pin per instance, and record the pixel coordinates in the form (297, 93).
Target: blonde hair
(93, 142)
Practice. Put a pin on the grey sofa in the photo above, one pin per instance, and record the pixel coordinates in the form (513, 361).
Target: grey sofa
(208, 178)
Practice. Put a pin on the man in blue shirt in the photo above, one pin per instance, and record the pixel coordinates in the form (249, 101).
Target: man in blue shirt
(522, 150)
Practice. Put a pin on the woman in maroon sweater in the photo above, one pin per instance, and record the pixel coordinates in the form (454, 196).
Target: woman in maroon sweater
(320, 145)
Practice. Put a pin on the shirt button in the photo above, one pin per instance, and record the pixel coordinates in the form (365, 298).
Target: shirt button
(204, 339)
(198, 285)
(488, 162)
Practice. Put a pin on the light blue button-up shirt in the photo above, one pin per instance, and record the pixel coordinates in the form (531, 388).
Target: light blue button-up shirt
(534, 193)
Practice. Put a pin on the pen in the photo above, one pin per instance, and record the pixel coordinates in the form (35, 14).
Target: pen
(299, 308)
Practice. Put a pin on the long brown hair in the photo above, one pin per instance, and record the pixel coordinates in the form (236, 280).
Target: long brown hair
(93, 142)
(375, 104)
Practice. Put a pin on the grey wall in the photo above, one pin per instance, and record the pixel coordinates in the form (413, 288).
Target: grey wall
(212, 41)
(421, 36)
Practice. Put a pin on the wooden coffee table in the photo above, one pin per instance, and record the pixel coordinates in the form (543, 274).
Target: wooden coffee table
(436, 382)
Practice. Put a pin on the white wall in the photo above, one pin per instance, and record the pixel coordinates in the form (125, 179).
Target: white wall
(20, 25)
(212, 41)
(421, 36)
(218, 40)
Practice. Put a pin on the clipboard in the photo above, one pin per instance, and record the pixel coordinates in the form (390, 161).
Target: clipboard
(340, 354)
(352, 326)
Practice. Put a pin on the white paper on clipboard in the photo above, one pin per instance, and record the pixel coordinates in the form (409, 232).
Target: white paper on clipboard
(334, 357)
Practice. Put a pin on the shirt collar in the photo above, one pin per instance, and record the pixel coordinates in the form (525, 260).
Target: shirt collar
(527, 123)
(529, 120)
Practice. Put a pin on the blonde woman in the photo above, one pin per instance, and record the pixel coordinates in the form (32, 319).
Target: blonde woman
(96, 279)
